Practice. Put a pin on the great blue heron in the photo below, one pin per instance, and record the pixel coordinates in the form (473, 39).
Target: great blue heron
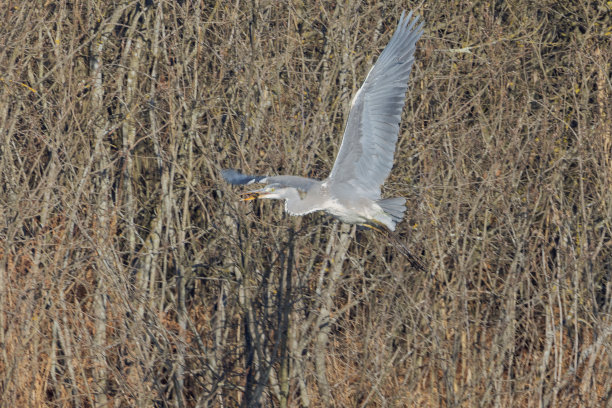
(351, 193)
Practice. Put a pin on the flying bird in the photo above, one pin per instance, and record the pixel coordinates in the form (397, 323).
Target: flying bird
(351, 193)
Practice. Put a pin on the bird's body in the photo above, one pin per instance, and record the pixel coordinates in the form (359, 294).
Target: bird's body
(351, 193)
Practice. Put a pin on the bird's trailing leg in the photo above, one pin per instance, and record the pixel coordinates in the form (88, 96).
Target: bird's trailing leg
(376, 226)
(414, 261)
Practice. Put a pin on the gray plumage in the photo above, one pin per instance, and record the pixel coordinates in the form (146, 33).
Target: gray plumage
(352, 190)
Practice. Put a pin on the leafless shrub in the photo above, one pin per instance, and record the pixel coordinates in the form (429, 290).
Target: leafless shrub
(131, 276)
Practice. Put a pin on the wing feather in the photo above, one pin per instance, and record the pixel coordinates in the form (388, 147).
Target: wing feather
(300, 183)
(235, 177)
(366, 154)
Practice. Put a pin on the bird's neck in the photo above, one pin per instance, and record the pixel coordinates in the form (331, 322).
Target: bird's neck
(303, 203)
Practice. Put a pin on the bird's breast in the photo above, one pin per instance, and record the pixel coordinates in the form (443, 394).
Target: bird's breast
(343, 212)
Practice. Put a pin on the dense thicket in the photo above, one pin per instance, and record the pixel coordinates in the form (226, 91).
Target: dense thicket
(131, 275)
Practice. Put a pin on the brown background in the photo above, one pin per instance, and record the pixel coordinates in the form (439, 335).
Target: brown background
(131, 275)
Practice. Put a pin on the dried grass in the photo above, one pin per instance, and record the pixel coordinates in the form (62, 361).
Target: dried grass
(130, 275)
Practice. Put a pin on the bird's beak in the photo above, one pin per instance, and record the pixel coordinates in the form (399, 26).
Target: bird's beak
(252, 195)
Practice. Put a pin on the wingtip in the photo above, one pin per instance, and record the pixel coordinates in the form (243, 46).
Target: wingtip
(410, 20)
(229, 174)
(235, 177)
(232, 176)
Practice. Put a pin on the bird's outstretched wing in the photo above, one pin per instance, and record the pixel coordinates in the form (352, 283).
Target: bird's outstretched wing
(365, 157)
(235, 177)
(300, 183)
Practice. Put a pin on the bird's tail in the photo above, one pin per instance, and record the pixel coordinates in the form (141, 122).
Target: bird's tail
(394, 207)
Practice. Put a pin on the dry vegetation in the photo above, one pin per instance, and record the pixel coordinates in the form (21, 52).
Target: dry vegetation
(130, 275)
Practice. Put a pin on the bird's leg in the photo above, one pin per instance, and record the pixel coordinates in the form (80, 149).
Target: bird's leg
(371, 225)
(414, 261)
